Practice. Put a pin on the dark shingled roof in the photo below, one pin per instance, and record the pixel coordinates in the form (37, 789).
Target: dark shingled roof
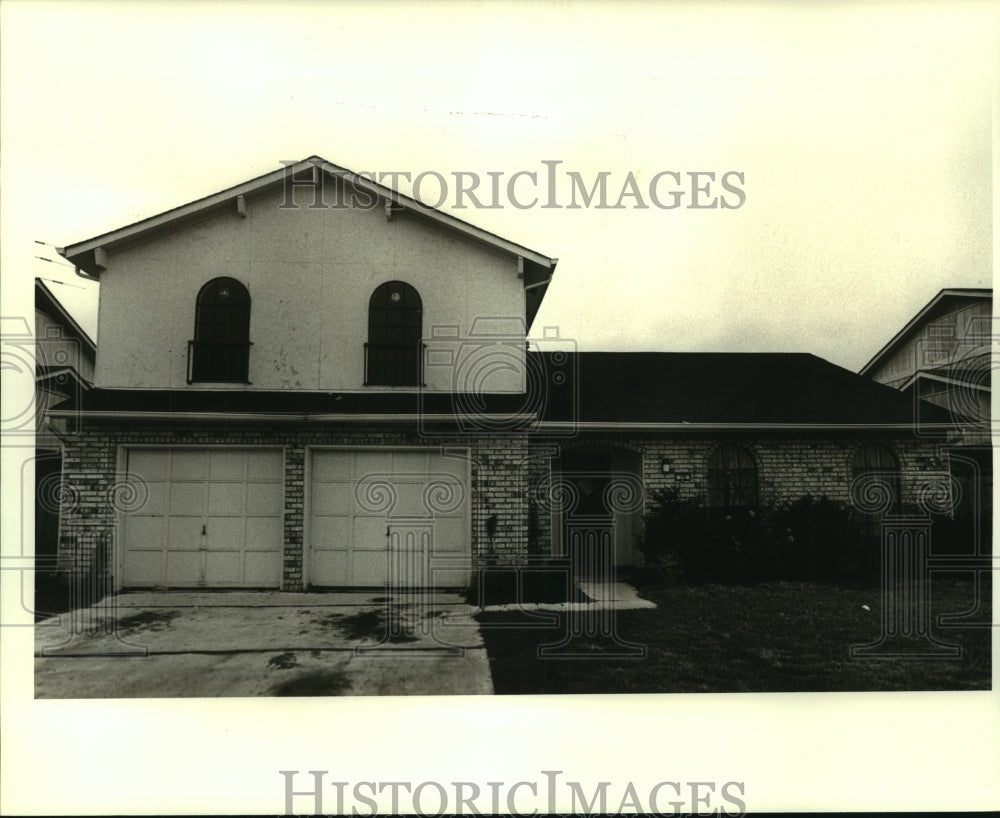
(720, 387)
(624, 387)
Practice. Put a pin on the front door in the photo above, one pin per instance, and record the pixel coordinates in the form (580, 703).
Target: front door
(588, 525)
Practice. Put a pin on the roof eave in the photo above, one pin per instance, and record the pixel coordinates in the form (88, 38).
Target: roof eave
(85, 254)
(63, 313)
(951, 381)
(898, 338)
(65, 371)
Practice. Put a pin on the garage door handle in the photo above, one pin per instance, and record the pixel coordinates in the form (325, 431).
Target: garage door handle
(203, 532)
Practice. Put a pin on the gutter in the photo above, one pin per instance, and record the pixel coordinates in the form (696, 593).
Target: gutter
(79, 270)
(683, 426)
(282, 417)
(536, 426)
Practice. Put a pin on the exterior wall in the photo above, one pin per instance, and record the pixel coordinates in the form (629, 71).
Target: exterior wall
(58, 347)
(969, 407)
(539, 521)
(788, 467)
(957, 333)
(310, 273)
(506, 475)
(92, 469)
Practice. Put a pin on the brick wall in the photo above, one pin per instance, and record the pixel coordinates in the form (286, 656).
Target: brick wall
(788, 466)
(498, 502)
(504, 472)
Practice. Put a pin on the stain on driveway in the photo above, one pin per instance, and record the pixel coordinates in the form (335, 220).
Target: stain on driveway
(268, 643)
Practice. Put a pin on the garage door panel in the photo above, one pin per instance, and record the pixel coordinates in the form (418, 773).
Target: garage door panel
(410, 462)
(187, 499)
(456, 467)
(148, 533)
(333, 498)
(367, 464)
(369, 568)
(235, 496)
(227, 465)
(330, 532)
(156, 496)
(369, 534)
(408, 557)
(266, 465)
(183, 567)
(264, 534)
(224, 534)
(184, 533)
(265, 499)
(150, 465)
(348, 542)
(449, 535)
(410, 498)
(226, 499)
(188, 464)
(223, 569)
(333, 468)
(261, 568)
(446, 497)
(329, 568)
(450, 577)
(145, 568)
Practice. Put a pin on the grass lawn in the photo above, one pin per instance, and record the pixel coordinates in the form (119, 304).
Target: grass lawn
(771, 637)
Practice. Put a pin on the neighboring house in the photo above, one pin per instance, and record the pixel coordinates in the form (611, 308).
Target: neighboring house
(343, 395)
(64, 369)
(943, 356)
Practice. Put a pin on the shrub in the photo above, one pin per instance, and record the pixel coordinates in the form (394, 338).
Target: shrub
(682, 534)
(822, 539)
(674, 529)
(810, 538)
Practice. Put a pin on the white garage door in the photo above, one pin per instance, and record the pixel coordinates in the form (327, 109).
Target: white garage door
(389, 517)
(212, 518)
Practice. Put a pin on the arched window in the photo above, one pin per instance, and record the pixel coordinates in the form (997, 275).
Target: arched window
(220, 351)
(876, 463)
(394, 352)
(732, 478)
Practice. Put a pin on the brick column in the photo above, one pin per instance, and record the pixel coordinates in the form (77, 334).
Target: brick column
(293, 555)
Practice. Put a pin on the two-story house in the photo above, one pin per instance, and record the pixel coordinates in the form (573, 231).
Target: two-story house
(310, 380)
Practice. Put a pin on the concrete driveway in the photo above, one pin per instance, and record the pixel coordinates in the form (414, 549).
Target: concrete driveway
(265, 643)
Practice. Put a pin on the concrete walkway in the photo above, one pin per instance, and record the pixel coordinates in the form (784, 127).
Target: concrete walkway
(618, 596)
(176, 644)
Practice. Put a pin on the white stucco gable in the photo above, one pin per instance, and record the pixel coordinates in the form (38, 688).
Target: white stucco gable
(310, 272)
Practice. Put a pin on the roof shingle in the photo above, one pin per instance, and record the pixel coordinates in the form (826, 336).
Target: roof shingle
(742, 389)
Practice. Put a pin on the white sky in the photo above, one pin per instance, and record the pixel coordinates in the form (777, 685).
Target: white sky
(864, 133)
